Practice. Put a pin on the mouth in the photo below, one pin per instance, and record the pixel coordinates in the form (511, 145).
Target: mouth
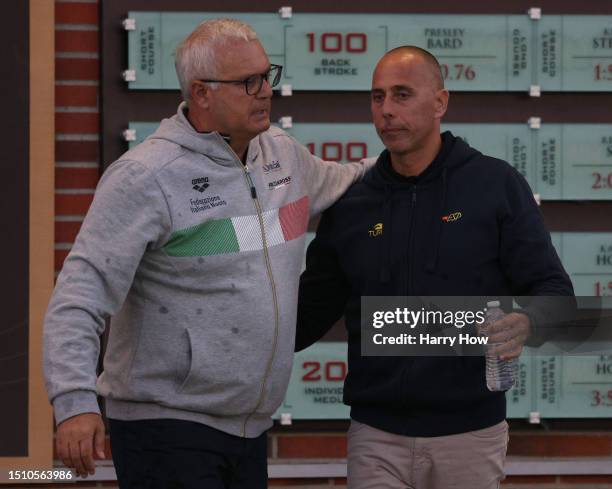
(262, 113)
(392, 131)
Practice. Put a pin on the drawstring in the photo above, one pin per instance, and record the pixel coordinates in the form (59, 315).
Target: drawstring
(385, 272)
(433, 264)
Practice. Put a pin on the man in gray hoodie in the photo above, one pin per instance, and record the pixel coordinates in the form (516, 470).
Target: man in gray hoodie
(193, 244)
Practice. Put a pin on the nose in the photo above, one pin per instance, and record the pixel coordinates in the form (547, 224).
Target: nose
(387, 108)
(266, 89)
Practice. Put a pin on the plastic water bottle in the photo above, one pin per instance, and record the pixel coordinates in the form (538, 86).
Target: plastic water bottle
(500, 373)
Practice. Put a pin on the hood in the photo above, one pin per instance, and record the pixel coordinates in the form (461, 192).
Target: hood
(453, 154)
(177, 129)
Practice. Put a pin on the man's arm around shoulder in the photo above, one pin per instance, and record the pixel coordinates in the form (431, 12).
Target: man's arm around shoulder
(327, 181)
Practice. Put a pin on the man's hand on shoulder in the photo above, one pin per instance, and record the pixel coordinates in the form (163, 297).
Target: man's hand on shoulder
(77, 439)
(511, 332)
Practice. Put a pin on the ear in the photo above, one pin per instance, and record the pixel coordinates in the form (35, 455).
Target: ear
(441, 102)
(200, 94)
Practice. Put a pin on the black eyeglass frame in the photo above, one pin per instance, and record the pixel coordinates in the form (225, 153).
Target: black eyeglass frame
(260, 76)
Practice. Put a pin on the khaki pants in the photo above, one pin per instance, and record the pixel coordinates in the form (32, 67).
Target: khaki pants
(381, 460)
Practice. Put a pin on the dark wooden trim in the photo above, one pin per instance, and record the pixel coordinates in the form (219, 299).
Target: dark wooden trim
(14, 245)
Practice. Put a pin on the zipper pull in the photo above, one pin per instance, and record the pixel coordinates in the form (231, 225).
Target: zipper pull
(413, 196)
(248, 174)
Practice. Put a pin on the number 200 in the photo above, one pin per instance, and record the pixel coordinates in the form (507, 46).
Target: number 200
(334, 371)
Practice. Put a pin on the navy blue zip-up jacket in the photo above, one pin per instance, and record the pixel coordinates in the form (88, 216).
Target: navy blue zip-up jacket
(495, 244)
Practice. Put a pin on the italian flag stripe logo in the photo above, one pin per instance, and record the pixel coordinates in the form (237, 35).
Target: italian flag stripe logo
(293, 218)
(243, 233)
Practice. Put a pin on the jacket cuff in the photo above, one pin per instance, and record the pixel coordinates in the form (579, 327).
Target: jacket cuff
(76, 402)
(536, 335)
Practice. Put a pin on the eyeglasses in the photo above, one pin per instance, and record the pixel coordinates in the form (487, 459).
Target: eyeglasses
(253, 83)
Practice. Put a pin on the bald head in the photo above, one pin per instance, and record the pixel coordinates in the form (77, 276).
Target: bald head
(408, 99)
(414, 54)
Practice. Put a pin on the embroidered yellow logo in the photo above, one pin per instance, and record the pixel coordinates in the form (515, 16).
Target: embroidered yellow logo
(455, 216)
(377, 230)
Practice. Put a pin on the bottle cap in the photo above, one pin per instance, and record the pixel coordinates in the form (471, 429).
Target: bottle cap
(493, 304)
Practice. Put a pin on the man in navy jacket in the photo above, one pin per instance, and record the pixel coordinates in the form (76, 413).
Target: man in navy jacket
(426, 422)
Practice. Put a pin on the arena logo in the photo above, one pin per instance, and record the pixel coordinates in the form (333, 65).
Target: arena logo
(200, 184)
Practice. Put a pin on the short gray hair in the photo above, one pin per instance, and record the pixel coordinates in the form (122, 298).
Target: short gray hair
(196, 55)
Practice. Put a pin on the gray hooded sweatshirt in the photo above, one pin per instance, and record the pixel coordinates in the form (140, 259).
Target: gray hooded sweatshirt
(197, 259)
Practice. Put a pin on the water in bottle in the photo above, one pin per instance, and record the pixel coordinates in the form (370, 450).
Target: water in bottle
(500, 373)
